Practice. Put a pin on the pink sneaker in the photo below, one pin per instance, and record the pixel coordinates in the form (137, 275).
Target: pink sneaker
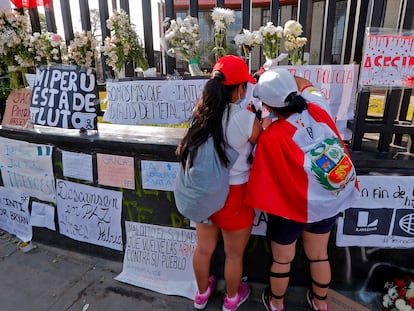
(200, 301)
(242, 294)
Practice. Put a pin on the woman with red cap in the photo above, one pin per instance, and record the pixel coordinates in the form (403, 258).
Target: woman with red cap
(217, 113)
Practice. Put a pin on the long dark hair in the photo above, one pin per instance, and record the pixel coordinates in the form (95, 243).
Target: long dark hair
(295, 104)
(207, 119)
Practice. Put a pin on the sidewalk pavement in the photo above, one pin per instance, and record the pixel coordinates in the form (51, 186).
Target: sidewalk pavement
(55, 279)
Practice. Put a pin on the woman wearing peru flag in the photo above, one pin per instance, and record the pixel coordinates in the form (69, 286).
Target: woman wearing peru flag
(303, 177)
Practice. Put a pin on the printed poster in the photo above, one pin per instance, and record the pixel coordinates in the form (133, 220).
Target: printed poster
(28, 168)
(14, 213)
(160, 259)
(383, 216)
(89, 214)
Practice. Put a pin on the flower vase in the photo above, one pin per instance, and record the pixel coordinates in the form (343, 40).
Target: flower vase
(194, 67)
(119, 74)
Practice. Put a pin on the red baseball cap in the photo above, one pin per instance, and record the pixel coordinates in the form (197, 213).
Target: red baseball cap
(234, 69)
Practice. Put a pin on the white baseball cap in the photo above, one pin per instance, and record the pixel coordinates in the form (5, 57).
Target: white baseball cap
(274, 86)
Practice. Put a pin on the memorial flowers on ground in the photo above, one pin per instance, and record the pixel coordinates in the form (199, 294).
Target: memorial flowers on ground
(82, 50)
(222, 18)
(399, 295)
(123, 46)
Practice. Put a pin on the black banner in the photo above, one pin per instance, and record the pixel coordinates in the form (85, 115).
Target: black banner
(65, 96)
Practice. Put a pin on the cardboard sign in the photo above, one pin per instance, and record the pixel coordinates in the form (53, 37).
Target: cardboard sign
(66, 97)
(17, 111)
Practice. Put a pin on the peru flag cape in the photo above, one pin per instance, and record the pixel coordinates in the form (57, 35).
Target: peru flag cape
(304, 184)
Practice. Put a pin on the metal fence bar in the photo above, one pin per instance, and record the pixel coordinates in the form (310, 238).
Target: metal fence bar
(274, 11)
(149, 44)
(85, 15)
(50, 18)
(67, 21)
(169, 12)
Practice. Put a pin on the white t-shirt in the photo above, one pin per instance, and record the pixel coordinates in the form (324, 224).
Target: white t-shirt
(238, 131)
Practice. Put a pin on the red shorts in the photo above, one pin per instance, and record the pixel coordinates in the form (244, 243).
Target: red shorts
(235, 214)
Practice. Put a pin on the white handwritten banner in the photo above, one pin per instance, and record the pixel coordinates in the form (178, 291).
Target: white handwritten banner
(77, 165)
(65, 96)
(89, 214)
(28, 167)
(14, 213)
(159, 175)
(388, 61)
(151, 101)
(160, 259)
(337, 83)
(383, 216)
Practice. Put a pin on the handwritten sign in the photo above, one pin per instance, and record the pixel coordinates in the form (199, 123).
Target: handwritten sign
(388, 61)
(115, 170)
(66, 97)
(28, 167)
(337, 83)
(152, 101)
(160, 259)
(77, 165)
(89, 214)
(14, 213)
(17, 111)
(159, 175)
(43, 215)
(383, 216)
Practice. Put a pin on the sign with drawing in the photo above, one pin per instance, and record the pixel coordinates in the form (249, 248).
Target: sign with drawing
(65, 96)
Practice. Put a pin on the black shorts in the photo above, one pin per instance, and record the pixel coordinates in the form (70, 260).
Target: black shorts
(284, 231)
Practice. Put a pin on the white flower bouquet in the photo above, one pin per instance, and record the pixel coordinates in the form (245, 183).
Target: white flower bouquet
(82, 50)
(124, 45)
(293, 42)
(400, 295)
(182, 38)
(248, 40)
(14, 32)
(271, 38)
(222, 18)
(45, 48)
